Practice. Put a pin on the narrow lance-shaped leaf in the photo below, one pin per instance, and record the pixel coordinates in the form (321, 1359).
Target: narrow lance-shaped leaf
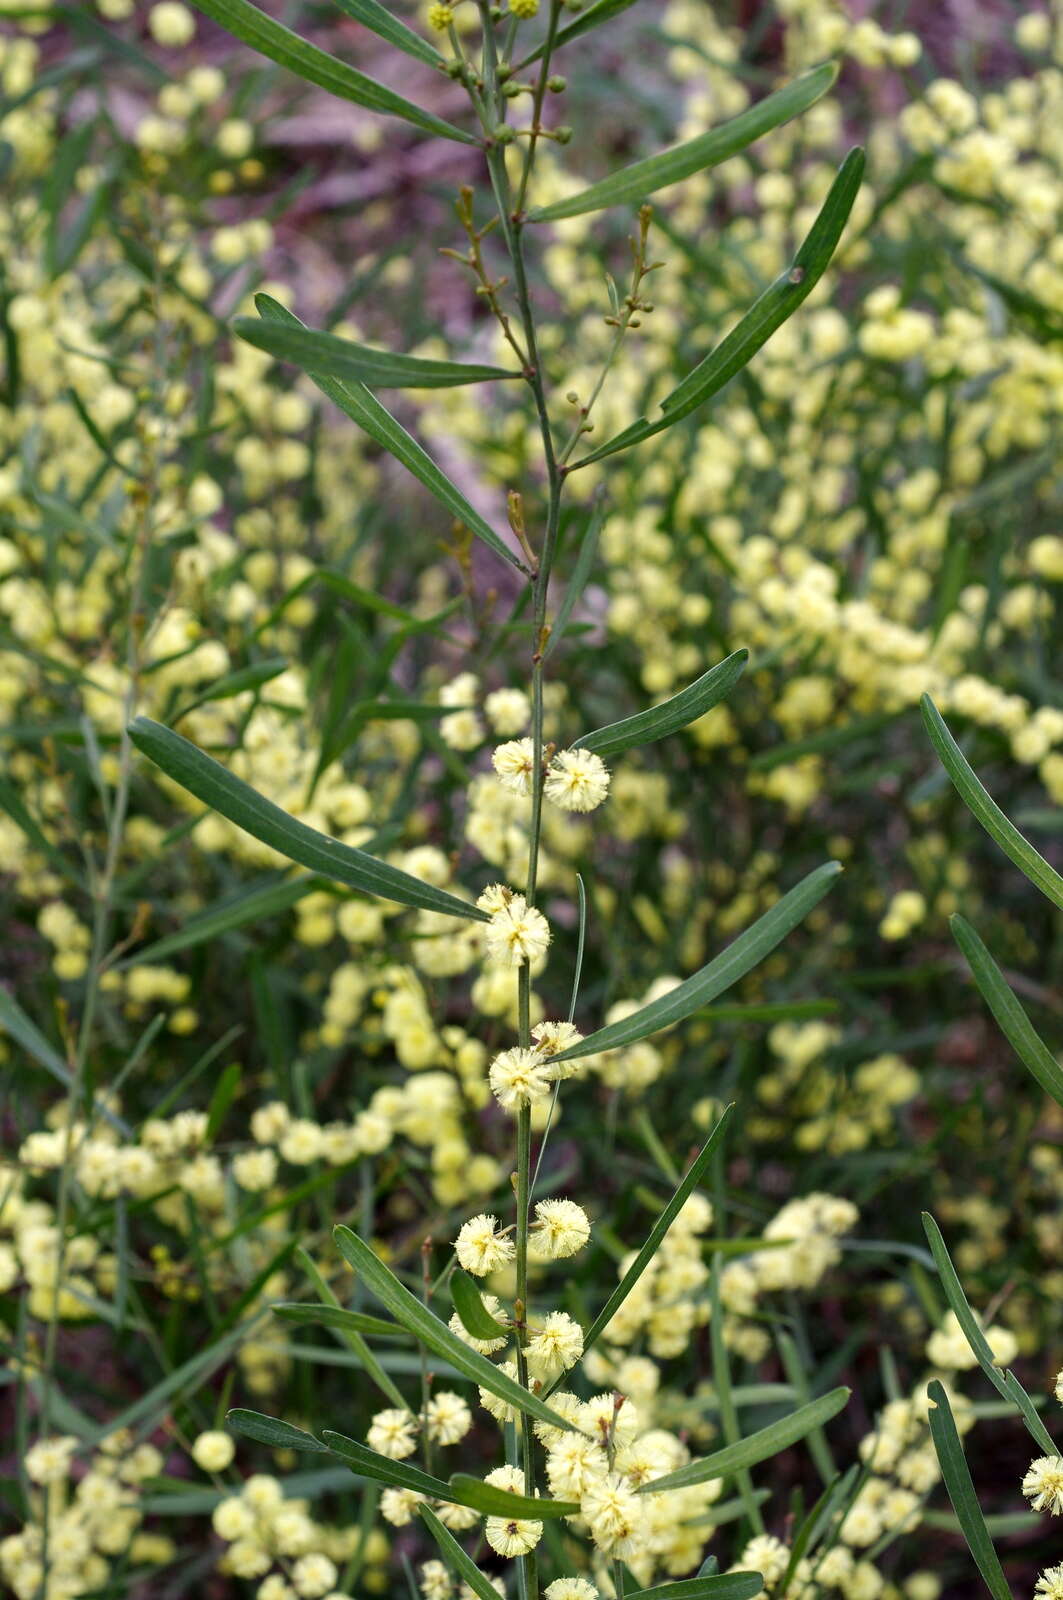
(371, 14)
(382, 1469)
(475, 1317)
(1006, 1384)
(957, 1478)
(778, 302)
(495, 1502)
(758, 1447)
(328, 356)
(679, 1199)
(717, 1586)
(985, 810)
(1011, 1018)
(220, 789)
(601, 11)
(272, 1431)
(460, 1491)
(363, 408)
(740, 957)
(456, 1558)
(434, 1334)
(678, 712)
(633, 184)
(280, 44)
(255, 905)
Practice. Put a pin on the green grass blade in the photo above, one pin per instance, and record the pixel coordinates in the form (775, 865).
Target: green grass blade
(475, 1317)
(455, 1556)
(220, 789)
(280, 44)
(434, 1334)
(683, 708)
(758, 1447)
(635, 183)
(720, 1586)
(253, 906)
(17, 1025)
(957, 1478)
(255, 676)
(778, 302)
(325, 355)
(578, 581)
(740, 957)
(337, 1317)
(371, 14)
(1010, 1016)
(494, 1502)
(272, 1431)
(363, 408)
(1006, 1384)
(690, 1182)
(985, 810)
(348, 1334)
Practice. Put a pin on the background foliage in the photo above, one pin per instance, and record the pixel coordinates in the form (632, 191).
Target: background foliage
(189, 530)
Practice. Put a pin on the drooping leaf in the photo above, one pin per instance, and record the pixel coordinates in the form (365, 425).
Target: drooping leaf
(634, 184)
(434, 1334)
(758, 1447)
(1011, 1018)
(254, 905)
(456, 1558)
(740, 957)
(371, 14)
(369, 1464)
(462, 1490)
(985, 810)
(693, 1177)
(325, 355)
(220, 789)
(272, 1431)
(957, 1476)
(672, 715)
(270, 38)
(363, 408)
(775, 306)
(337, 1317)
(475, 1317)
(494, 1502)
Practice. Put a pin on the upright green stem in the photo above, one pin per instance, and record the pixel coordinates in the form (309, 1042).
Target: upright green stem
(102, 883)
(511, 219)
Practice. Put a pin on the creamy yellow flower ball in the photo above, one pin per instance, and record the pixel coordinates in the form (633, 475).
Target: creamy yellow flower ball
(213, 1451)
(171, 24)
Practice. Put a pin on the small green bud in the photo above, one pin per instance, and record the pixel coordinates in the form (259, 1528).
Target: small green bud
(511, 90)
(503, 133)
(563, 134)
(556, 84)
